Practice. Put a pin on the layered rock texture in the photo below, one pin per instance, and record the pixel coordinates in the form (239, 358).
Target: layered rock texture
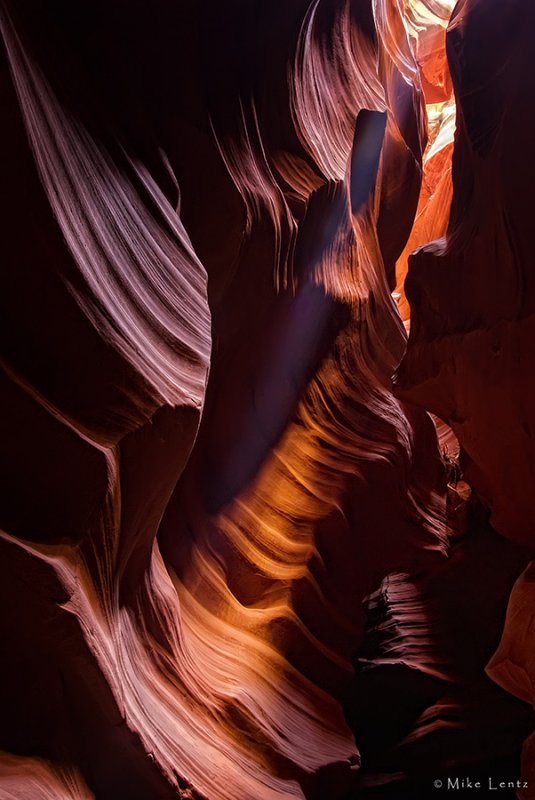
(267, 402)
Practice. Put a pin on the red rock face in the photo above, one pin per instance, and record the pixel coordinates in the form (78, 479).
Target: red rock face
(237, 562)
(470, 292)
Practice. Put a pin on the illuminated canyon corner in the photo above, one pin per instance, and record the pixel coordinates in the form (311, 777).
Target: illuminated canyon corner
(267, 399)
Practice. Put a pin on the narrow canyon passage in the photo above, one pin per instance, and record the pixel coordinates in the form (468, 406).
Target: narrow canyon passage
(266, 511)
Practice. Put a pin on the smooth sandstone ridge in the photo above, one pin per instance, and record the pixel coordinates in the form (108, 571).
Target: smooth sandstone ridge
(266, 502)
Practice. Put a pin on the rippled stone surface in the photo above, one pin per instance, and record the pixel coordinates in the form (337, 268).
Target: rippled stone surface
(238, 562)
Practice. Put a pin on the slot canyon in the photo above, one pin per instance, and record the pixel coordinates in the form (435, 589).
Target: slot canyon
(267, 524)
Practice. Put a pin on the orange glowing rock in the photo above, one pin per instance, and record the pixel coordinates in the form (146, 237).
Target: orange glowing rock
(211, 213)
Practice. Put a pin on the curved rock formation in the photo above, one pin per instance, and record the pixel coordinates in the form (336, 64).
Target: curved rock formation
(227, 542)
(470, 292)
(470, 295)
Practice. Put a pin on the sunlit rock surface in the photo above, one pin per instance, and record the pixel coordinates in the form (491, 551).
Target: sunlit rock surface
(237, 563)
(470, 291)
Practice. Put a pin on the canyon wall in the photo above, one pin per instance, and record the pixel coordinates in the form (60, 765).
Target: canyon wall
(241, 560)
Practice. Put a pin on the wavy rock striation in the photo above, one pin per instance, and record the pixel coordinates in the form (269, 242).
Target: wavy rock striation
(206, 471)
